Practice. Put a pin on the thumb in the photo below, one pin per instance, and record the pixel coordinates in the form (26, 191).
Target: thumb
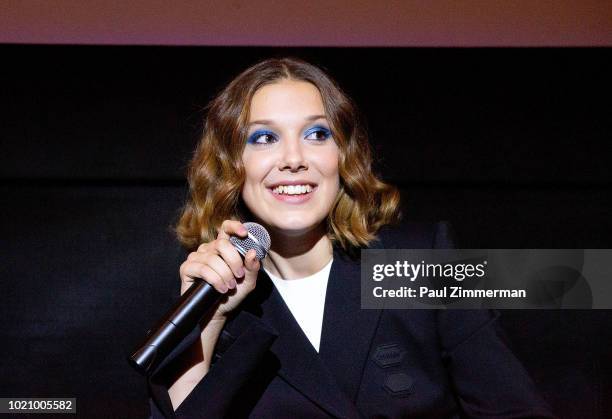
(251, 265)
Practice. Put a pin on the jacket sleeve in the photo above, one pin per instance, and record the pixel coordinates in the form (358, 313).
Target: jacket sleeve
(488, 379)
(239, 350)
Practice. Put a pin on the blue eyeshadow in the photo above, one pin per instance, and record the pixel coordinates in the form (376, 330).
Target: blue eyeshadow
(318, 128)
(259, 133)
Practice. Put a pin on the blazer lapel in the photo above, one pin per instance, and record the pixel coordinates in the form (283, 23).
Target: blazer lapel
(301, 365)
(348, 329)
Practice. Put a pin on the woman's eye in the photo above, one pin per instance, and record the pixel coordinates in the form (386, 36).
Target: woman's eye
(259, 138)
(318, 134)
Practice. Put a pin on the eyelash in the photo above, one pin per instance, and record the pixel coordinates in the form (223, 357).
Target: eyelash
(253, 138)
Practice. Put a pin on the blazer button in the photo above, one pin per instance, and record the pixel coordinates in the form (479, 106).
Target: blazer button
(388, 355)
(399, 384)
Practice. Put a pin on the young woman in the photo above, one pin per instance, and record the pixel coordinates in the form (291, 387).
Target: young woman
(283, 146)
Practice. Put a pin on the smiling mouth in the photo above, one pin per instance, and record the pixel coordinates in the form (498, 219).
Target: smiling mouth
(292, 190)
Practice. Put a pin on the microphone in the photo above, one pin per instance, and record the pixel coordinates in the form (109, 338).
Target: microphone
(193, 305)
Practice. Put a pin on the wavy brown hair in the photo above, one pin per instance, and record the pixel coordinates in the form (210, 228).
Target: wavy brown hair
(216, 174)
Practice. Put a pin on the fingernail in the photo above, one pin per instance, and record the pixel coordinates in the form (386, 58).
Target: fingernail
(243, 230)
(240, 272)
(232, 284)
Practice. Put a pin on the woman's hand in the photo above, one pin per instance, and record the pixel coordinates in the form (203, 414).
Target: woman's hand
(220, 264)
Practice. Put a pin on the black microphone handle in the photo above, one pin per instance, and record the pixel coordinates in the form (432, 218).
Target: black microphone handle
(181, 319)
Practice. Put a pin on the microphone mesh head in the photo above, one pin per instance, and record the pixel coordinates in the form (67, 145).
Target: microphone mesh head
(258, 239)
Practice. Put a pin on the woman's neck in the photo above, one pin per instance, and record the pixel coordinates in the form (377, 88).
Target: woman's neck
(294, 257)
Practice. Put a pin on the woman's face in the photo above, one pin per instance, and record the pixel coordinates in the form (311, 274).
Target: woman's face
(290, 159)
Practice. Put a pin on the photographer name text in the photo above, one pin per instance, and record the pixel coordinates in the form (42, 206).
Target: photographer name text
(457, 272)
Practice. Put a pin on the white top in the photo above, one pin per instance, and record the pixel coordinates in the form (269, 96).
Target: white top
(305, 298)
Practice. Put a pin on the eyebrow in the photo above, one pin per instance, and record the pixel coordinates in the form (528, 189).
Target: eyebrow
(271, 122)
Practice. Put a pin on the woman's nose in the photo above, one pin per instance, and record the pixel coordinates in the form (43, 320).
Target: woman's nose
(292, 157)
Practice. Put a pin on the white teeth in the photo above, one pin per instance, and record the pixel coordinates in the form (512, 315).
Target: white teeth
(292, 189)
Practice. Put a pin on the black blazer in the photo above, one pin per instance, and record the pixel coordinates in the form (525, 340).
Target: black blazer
(372, 363)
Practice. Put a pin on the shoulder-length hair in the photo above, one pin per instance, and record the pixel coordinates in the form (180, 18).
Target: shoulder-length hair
(216, 174)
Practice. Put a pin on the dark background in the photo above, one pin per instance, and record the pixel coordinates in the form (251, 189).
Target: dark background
(509, 145)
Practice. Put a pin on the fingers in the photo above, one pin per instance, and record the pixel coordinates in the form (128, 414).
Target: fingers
(251, 263)
(191, 270)
(232, 228)
(223, 248)
(251, 267)
(220, 267)
(219, 263)
(232, 258)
